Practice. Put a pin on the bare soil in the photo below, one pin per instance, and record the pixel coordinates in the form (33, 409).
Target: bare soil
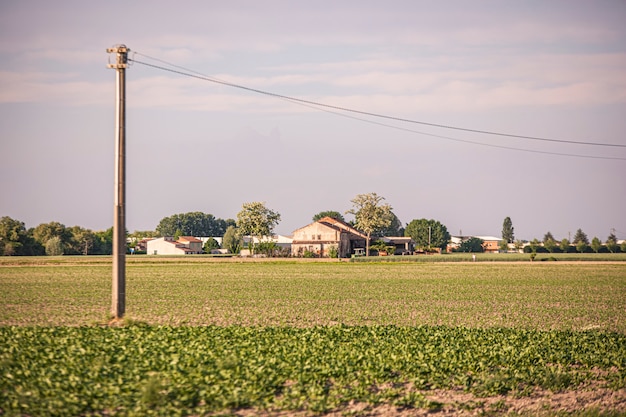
(447, 403)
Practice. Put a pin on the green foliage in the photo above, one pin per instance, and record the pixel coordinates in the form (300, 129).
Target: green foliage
(329, 213)
(421, 230)
(54, 246)
(548, 237)
(166, 370)
(580, 236)
(333, 252)
(256, 220)
(564, 245)
(550, 245)
(16, 240)
(370, 215)
(611, 243)
(193, 224)
(596, 244)
(268, 248)
(472, 244)
(232, 240)
(210, 244)
(394, 229)
(381, 246)
(534, 245)
(507, 230)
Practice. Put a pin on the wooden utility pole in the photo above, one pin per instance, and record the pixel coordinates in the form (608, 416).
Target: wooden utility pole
(118, 304)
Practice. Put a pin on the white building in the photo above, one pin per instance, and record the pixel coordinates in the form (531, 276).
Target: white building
(185, 245)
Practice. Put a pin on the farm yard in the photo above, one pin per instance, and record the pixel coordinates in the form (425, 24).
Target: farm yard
(232, 337)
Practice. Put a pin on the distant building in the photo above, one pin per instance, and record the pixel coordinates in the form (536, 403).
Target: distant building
(325, 235)
(185, 245)
(491, 244)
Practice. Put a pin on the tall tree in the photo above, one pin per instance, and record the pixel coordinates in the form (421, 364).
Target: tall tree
(580, 236)
(256, 220)
(193, 224)
(507, 230)
(564, 246)
(549, 242)
(394, 229)
(427, 233)
(232, 240)
(329, 213)
(611, 243)
(548, 236)
(596, 244)
(370, 215)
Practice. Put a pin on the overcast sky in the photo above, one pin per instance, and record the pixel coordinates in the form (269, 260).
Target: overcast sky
(552, 70)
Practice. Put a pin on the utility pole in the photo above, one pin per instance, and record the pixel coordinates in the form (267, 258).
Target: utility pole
(118, 299)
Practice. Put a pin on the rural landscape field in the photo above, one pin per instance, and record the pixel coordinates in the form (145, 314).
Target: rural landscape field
(281, 337)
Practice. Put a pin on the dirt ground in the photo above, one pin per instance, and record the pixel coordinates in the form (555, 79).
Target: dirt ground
(449, 403)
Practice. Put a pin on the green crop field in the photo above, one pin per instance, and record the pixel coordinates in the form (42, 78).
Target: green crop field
(207, 337)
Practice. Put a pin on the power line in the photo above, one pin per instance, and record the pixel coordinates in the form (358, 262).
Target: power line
(322, 106)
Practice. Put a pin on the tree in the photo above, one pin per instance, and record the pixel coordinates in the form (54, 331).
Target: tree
(427, 233)
(622, 247)
(210, 244)
(370, 215)
(54, 246)
(581, 246)
(47, 231)
(193, 224)
(549, 242)
(596, 244)
(256, 220)
(534, 245)
(82, 241)
(548, 236)
(329, 213)
(103, 242)
(473, 244)
(232, 240)
(507, 230)
(550, 245)
(580, 236)
(503, 246)
(394, 229)
(611, 243)
(564, 246)
(16, 240)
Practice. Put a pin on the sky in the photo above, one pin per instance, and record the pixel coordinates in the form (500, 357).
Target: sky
(548, 70)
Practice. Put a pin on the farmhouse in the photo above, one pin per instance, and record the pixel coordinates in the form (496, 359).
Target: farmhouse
(326, 235)
(185, 245)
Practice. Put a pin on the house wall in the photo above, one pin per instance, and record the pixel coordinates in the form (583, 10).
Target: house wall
(163, 246)
(319, 238)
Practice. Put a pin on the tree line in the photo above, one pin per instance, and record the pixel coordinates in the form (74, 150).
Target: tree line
(372, 216)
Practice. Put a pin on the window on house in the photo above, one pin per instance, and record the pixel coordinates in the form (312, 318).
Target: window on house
(319, 237)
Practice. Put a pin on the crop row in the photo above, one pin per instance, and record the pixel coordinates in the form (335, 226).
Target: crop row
(167, 370)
